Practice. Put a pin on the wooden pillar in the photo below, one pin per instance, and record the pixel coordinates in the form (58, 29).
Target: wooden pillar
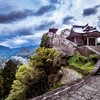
(87, 41)
(95, 41)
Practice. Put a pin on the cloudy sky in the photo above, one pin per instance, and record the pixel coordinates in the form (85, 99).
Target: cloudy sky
(22, 22)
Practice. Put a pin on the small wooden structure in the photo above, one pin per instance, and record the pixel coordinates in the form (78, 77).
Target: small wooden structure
(53, 30)
(84, 35)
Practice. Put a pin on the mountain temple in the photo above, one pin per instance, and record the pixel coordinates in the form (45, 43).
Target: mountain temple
(84, 35)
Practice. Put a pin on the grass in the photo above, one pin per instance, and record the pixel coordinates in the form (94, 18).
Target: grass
(81, 64)
(58, 84)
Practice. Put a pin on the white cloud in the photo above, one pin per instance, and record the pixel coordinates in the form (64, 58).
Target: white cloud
(65, 8)
(14, 42)
(22, 40)
(20, 59)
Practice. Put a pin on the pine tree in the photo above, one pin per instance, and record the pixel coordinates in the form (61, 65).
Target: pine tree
(1, 86)
(8, 76)
(32, 79)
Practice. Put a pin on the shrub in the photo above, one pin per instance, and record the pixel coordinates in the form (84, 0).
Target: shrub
(46, 59)
(58, 84)
(8, 75)
(25, 76)
(32, 79)
(1, 86)
(94, 57)
(81, 64)
(45, 41)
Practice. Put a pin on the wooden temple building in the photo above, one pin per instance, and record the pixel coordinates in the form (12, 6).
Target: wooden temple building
(84, 35)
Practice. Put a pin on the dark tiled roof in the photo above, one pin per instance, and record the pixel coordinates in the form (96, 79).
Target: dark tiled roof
(53, 30)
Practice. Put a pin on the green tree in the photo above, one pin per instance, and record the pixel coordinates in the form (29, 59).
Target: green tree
(32, 79)
(8, 76)
(45, 41)
(1, 86)
(25, 76)
(46, 59)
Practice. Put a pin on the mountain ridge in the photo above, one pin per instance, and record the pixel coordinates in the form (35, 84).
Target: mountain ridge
(25, 51)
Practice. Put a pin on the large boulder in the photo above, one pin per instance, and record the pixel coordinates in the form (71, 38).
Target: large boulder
(62, 45)
(88, 50)
(69, 75)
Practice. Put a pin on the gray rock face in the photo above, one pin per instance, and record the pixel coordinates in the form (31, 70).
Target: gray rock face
(62, 45)
(88, 89)
(68, 48)
(88, 50)
(69, 75)
(97, 68)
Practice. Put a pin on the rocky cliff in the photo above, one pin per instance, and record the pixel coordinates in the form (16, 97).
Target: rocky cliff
(59, 43)
(66, 47)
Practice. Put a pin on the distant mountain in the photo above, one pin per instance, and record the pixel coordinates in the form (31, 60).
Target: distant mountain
(7, 53)
(26, 51)
(3, 48)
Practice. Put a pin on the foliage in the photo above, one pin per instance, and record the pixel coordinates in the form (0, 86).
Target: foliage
(1, 86)
(94, 57)
(32, 79)
(46, 59)
(8, 74)
(44, 41)
(17, 92)
(58, 84)
(25, 76)
(1, 69)
(80, 63)
(37, 88)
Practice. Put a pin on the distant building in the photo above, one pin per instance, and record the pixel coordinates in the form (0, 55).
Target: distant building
(84, 35)
(53, 30)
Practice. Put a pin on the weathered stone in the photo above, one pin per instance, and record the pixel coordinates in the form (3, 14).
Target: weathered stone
(96, 97)
(87, 50)
(62, 45)
(71, 98)
(83, 92)
(69, 75)
(78, 97)
(89, 88)
(96, 69)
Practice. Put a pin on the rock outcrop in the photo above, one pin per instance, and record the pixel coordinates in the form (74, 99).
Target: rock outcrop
(85, 89)
(66, 47)
(61, 44)
(88, 50)
(69, 75)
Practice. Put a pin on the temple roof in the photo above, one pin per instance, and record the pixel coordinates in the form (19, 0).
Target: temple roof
(83, 29)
